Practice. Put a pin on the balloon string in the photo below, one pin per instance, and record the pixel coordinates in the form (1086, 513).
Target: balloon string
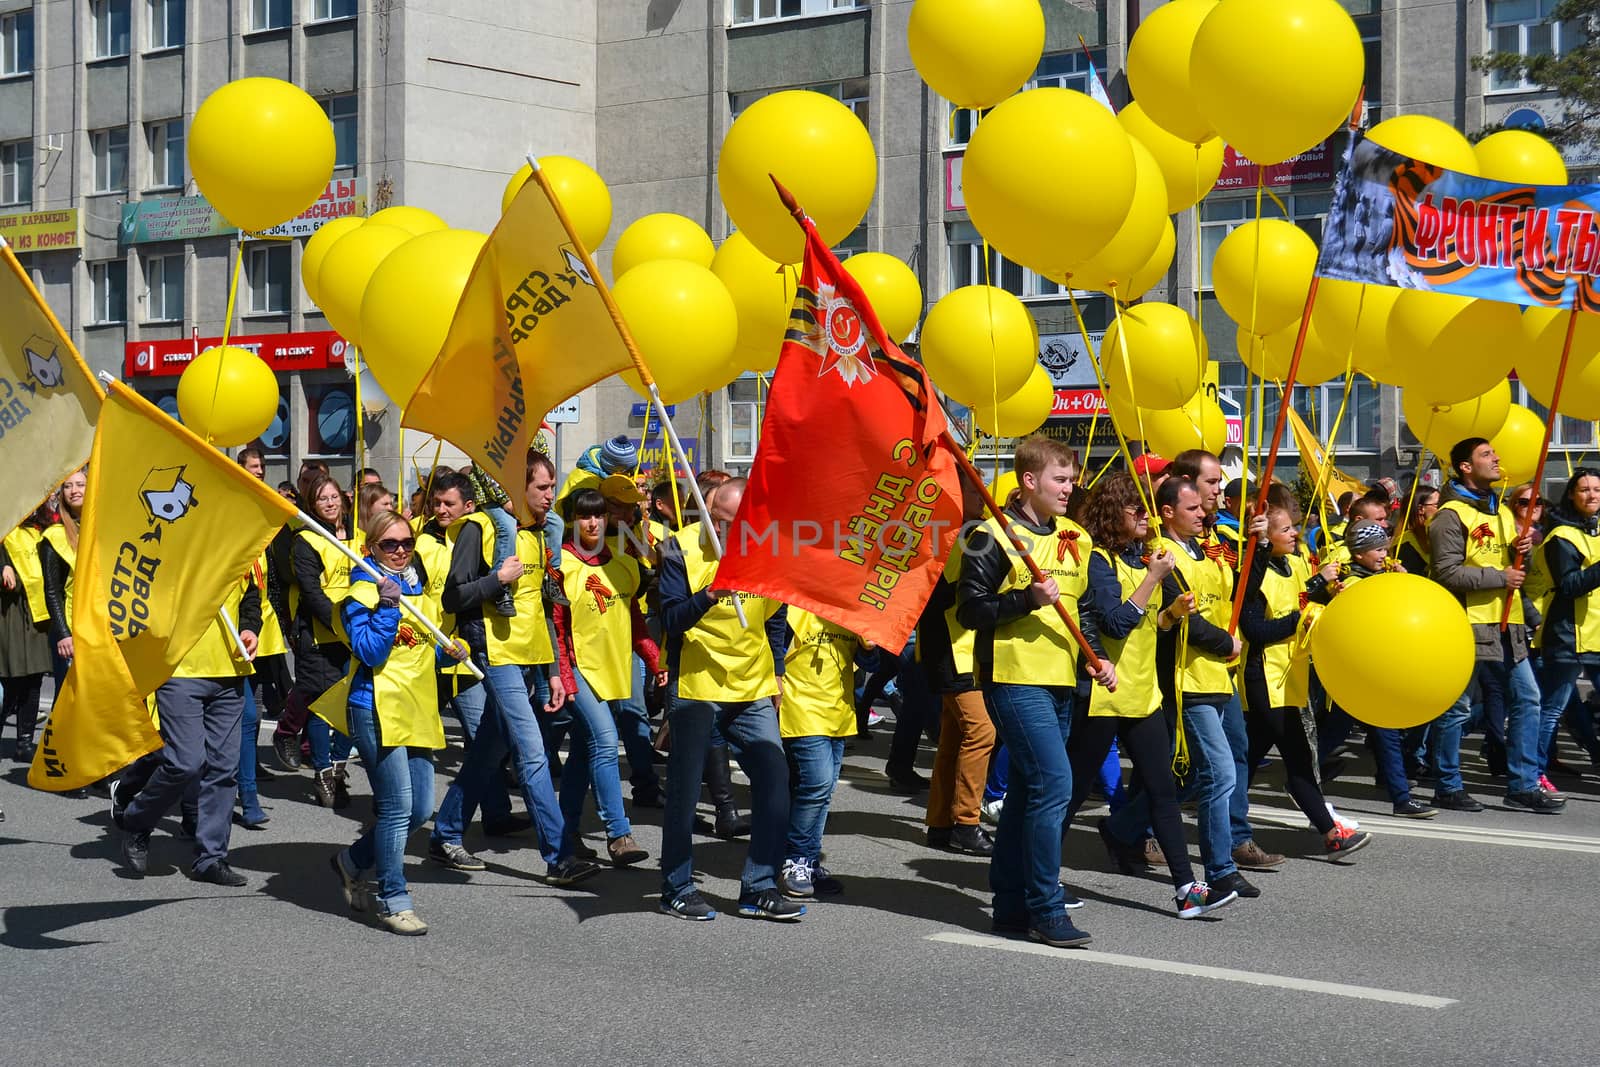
(361, 428)
(1326, 468)
(1146, 498)
(1099, 373)
(1255, 302)
(227, 328)
(1102, 471)
(994, 370)
(1416, 483)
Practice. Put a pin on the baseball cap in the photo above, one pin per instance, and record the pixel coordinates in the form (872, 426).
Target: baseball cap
(620, 488)
(1149, 464)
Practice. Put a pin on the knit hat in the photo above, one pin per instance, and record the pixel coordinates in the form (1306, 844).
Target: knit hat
(619, 454)
(1364, 535)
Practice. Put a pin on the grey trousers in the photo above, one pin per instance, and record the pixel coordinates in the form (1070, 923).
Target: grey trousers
(200, 724)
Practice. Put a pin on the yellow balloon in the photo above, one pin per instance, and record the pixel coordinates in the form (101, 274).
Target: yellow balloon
(661, 236)
(1199, 423)
(1270, 356)
(763, 292)
(1155, 269)
(582, 192)
(1262, 272)
(684, 322)
(1520, 156)
(228, 395)
(1349, 315)
(1165, 358)
(821, 153)
(346, 269)
(1277, 77)
(1440, 426)
(410, 303)
(1112, 269)
(1049, 177)
(1475, 339)
(414, 220)
(1160, 59)
(1545, 331)
(1518, 443)
(1022, 412)
(1428, 139)
(975, 53)
(317, 246)
(978, 344)
(1189, 173)
(261, 151)
(1426, 642)
(891, 288)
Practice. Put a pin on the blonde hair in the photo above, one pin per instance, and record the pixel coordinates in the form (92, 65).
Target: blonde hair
(378, 522)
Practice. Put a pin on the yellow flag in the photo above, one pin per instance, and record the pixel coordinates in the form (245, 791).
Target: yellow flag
(170, 525)
(1312, 457)
(531, 330)
(48, 398)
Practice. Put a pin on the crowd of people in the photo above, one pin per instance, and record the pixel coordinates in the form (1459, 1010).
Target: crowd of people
(599, 625)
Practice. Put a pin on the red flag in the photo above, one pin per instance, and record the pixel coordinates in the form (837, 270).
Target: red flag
(854, 502)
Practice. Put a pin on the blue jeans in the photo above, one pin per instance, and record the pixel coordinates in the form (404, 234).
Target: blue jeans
(467, 702)
(1558, 682)
(1522, 724)
(249, 734)
(1025, 871)
(328, 746)
(815, 762)
(999, 773)
(1239, 742)
(505, 533)
(1387, 751)
(594, 730)
(632, 720)
(402, 800)
(1212, 786)
(751, 728)
(508, 725)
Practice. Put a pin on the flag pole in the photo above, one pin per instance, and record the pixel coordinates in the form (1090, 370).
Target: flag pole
(233, 632)
(649, 380)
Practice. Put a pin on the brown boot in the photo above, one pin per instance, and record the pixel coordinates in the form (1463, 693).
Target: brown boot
(1252, 857)
(1153, 855)
(341, 785)
(322, 790)
(625, 851)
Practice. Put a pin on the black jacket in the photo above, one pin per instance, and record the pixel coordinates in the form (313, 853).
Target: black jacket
(1204, 636)
(55, 571)
(680, 609)
(1572, 582)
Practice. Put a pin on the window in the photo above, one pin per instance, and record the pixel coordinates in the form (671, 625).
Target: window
(1370, 25)
(1318, 405)
(1221, 216)
(108, 292)
(1525, 28)
(852, 93)
(1064, 70)
(16, 44)
(269, 14)
(110, 160)
(853, 243)
(324, 10)
(165, 141)
(109, 27)
(342, 113)
(269, 278)
(967, 266)
(16, 173)
(1570, 433)
(163, 283)
(747, 398)
(330, 419)
(164, 18)
(748, 11)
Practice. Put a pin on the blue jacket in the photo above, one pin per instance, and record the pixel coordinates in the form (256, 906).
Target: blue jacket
(373, 631)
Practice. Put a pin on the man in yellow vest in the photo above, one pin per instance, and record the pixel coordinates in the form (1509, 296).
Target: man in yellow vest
(1475, 540)
(728, 674)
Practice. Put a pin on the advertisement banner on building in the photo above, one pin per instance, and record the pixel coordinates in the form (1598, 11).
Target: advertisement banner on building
(653, 456)
(319, 350)
(343, 197)
(1311, 167)
(1066, 357)
(190, 218)
(40, 231)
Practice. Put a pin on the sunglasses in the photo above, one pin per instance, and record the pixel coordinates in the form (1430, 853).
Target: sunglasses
(389, 544)
(1521, 502)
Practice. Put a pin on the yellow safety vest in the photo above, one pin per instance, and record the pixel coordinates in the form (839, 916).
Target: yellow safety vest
(1211, 582)
(524, 639)
(215, 655)
(404, 692)
(22, 545)
(1418, 545)
(962, 640)
(1287, 674)
(57, 536)
(1489, 544)
(1038, 649)
(601, 598)
(1138, 691)
(720, 660)
(335, 583)
(1585, 610)
(819, 679)
(1333, 550)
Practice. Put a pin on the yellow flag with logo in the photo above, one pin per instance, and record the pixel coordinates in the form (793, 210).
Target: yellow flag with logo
(48, 398)
(532, 329)
(170, 526)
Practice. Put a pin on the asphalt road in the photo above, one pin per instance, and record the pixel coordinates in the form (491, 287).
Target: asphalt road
(1470, 939)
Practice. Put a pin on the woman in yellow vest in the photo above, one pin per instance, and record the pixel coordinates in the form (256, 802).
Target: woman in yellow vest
(1414, 552)
(321, 578)
(58, 556)
(393, 715)
(1568, 563)
(24, 630)
(1125, 574)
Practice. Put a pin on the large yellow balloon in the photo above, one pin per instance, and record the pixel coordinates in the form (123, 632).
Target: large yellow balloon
(1426, 643)
(1545, 331)
(1440, 426)
(891, 288)
(1520, 156)
(1155, 269)
(1262, 272)
(1113, 268)
(978, 344)
(414, 220)
(1049, 177)
(1159, 64)
(685, 324)
(1189, 171)
(346, 269)
(410, 303)
(317, 246)
(1277, 77)
(261, 151)
(763, 292)
(582, 192)
(821, 153)
(1428, 139)
(1022, 412)
(1452, 348)
(662, 235)
(1198, 424)
(1165, 358)
(975, 53)
(1349, 315)
(1518, 443)
(228, 395)
(1270, 356)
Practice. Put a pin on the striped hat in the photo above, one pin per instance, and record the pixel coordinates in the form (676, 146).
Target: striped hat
(619, 454)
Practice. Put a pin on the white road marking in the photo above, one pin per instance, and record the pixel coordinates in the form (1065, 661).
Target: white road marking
(1196, 970)
(1389, 826)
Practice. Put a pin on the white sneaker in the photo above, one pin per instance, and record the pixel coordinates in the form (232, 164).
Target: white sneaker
(991, 809)
(1339, 820)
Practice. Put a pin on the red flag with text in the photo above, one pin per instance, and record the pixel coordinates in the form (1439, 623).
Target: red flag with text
(853, 503)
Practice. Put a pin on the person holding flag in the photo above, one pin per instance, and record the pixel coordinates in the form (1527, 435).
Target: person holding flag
(322, 657)
(58, 558)
(24, 630)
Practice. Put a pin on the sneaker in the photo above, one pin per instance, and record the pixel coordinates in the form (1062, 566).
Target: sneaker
(453, 856)
(1252, 857)
(874, 717)
(287, 749)
(1455, 800)
(690, 905)
(1548, 788)
(823, 881)
(504, 604)
(971, 840)
(1057, 932)
(1538, 802)
(219, 873)
(1200, 899)
(1235, 883)
(570, 871)
(906, 779)
(136, 851)
(770, 904)
(795, 880)
(1341, 841)
(1153, 856)
(506, 827)
(118, 806)
(625, 851)
(405, 923)
(1412, 809)
(990, 809)
(355, 895)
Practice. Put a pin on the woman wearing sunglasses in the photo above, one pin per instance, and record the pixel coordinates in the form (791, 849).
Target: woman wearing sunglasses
(1566, 568)
(393, 712)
